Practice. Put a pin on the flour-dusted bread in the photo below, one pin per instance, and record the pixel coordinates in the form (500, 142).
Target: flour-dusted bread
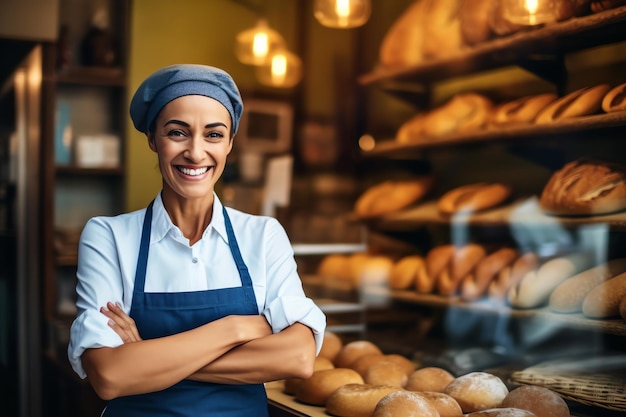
(357, 400)
(404, 404)
(540, 400)
(431, 379)
(477, 391)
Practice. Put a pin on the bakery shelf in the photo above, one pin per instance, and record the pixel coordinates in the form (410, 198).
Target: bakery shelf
(577, 321)
(571, 35)
(577, 126)
(105, 76)
(327, 248)
(524, 212)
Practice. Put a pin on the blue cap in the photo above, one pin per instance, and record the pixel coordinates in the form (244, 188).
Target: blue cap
(174, 81)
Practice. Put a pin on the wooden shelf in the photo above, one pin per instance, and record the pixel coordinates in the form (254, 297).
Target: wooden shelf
(104, 76)
(530, 46)
(578, 321)
(391, 147)
(524, 212)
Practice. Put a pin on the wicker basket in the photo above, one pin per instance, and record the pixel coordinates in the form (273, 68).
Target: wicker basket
(599, 382)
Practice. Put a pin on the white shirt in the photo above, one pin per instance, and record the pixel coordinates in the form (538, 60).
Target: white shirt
(108, 251)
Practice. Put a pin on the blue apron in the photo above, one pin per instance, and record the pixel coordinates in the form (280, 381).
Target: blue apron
(164, 314)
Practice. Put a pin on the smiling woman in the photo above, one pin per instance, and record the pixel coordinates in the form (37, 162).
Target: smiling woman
(187, 307)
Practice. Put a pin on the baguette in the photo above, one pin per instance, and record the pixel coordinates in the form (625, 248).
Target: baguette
(615, 99)
(404, 272)
(568, 296)
(473, 197)
(389, 196)
(510, 275)
(603, 301)
(437, 260)
(522, 110)
(475, 285)
(462, 263)
(582, 102)
(535, 287)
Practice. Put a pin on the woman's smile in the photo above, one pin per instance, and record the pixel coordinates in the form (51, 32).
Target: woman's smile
(192, 172)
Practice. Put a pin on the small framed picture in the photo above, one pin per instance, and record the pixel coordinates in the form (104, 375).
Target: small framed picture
(266, 127)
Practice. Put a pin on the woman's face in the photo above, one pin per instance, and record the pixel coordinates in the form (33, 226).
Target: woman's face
(192, 140)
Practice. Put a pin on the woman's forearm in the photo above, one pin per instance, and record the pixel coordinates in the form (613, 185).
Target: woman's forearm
(290, 353)
(155, 364)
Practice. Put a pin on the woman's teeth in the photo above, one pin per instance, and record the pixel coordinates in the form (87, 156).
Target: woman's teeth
(193, 172)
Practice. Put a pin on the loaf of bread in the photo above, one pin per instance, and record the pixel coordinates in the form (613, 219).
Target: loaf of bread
(523, 110)
(437, 259)
(535, 287)
(445, 404)
(385, 372)
(477, 391)
(585, 187)
(405, 272)
(474, 21)
(390, 196)
(429, 379)
(331, 346)
(357, 400)
(582, 102)
(364, 362)
(539, 400)
(316, 389)
(404, 404)
(403, 43)
(321, 363)
(352, 351)
(568, 296)
(511, 275)
(462, 263)
(475, 285)
(502, 412)
(603, 301)
(464, 112)
(473, 197)
(615, 99)
(442, 28)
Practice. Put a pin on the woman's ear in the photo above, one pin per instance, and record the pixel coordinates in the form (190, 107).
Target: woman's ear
(151, 141)
(230, 145)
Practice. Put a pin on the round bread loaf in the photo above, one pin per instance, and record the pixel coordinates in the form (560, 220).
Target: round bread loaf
(386, 373)
(404, 362)
(318, 387)
(474, 20)
(352, 351)
(331, 346)
(502, 412)
(356, 263)
(473, 197)
(585, 187)
(615, 99)
(445, 404)
(390, 196)
(540, 400)
(332, 266)
(431, 379)
(477, 391)
(582, 102)
(357, 400)
(364, 362)
(403, 43)
(603, 301)
(320, 364)
(404, 404)
(569, 295)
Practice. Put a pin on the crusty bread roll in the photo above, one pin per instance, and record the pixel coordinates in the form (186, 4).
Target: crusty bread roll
(622, 308)
(582, 102)
(403, 43)
(475, 285)
(585, 187)
(540, 400)
(511, 275)
(502, 412)
(569, 295)
(442, 28)
(615, 99)
(437, 259)
(477, 391)
(432, 379)
(404, 272)
(321, 363)
(390, 196)
(364, 362)
(318, 387)
(462, 263)
(385, 373)
(445, 404)
(357, 400)
(523, 110)
(463, 113)
(405, 363)
(603, 301)
(331, 346)
(535, 287)
(352, 351)
(356, 263)
(404, 404)
(332, 266)
(376, 271)
(473, 197)
(474, 21)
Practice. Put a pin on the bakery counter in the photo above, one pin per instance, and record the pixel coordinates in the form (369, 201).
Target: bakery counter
(523, 212)
(282, 405)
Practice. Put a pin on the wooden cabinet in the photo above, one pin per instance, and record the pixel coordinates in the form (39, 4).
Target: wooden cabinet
(84, 127)
(524, 156)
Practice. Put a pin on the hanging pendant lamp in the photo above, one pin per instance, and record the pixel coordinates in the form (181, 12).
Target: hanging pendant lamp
(342, 14)
(254, 46)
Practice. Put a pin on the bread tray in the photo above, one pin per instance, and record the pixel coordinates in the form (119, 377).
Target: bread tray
(599, 382)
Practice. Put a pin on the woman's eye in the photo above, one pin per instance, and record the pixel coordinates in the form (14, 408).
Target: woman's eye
(176, 133)
(215, 135)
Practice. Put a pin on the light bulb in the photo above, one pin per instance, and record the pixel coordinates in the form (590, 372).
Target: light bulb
(530, 12)
(255, 45)
(342, 14)
(283, 70)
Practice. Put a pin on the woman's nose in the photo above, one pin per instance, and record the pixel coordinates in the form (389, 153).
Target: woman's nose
(195, 149)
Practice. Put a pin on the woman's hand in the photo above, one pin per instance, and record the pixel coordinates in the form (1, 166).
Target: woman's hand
(121, 323)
